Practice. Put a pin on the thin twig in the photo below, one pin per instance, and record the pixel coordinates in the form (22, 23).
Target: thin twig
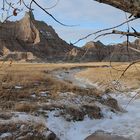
(107, 29)
(52, 15)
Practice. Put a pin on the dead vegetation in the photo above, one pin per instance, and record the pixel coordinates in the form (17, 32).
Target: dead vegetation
(20, 81)
(26, 107)
(24, 85)
(26, 131)
(6, 128)
(110, 77)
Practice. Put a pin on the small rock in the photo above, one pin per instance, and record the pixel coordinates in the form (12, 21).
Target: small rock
(93, 111)
(73, 113)
(104, 136)
(111, 102)
(50, 136)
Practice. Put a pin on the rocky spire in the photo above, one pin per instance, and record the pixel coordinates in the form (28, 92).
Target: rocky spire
(30, 15)
(26, 29)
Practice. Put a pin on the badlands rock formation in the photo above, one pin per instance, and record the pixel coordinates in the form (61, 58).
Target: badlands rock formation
(32, 40)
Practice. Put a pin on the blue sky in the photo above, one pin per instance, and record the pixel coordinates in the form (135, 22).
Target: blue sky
(88, 15)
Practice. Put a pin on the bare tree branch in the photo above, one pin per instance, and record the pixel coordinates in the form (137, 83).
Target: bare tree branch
(107, 29)
(48, 8)
(134, 34)
(51, 15)
(131, 64)
(130, 6)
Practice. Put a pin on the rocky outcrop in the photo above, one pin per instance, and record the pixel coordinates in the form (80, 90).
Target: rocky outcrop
(26, 30)
(122, 53)
(100, 135)
(25, 56)
(95, 51)
(34, 37)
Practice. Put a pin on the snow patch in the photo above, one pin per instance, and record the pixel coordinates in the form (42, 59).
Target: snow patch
(121, 124)
(5, 135)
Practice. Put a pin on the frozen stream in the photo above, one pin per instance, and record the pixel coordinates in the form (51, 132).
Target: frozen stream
(69, 75)
(122, 124)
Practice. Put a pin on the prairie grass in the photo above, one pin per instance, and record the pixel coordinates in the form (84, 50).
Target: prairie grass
(25, 107)
(105, 75)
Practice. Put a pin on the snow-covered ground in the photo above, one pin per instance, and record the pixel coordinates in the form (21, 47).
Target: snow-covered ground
(70, 75)
(124, 124)
(23, 117)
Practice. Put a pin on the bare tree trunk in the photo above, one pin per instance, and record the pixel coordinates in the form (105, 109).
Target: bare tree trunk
(130, 6)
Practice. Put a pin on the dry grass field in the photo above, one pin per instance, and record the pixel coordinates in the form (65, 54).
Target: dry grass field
(105, 75)
(18, 81)
(26, 73)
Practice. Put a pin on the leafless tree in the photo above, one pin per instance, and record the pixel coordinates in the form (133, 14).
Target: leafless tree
(132, 7)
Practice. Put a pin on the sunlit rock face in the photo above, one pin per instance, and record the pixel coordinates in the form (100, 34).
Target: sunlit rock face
(26, 30)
